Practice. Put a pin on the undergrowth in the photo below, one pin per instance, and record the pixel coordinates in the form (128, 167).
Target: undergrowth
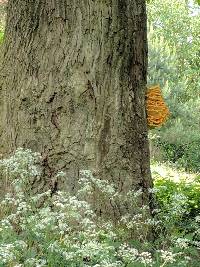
(63, 230)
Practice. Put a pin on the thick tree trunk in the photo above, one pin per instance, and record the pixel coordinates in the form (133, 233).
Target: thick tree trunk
(72, 80)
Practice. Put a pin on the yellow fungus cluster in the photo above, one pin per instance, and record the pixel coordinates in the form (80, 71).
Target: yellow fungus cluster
(157, 111)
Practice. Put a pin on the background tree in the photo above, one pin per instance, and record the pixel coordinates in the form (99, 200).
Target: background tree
(174, 63)
(73, 81)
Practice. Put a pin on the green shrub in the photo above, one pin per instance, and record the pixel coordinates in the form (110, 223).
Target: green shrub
(168, 188)
(178, 198)
(191, 157)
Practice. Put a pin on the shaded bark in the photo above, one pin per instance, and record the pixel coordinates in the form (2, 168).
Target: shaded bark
(73, 81)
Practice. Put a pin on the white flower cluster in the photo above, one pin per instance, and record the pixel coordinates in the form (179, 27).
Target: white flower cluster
(7, 254)
(182, 243)
(168, 256)
(132, 255)
(21, 168)
(22, 163)
(88, 183)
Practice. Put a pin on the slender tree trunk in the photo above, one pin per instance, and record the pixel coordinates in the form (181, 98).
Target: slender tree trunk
(72, 81)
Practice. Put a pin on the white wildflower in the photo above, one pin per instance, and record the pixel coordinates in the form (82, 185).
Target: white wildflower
(182, 243)
(168, 256)
(145, 258)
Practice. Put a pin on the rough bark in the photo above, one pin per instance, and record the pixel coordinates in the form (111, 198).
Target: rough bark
(73, 81)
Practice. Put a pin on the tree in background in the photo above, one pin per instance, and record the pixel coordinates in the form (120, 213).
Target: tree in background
(73, 82)
(174, 63)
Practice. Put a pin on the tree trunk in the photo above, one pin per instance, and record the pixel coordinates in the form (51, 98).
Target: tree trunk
(73, 81)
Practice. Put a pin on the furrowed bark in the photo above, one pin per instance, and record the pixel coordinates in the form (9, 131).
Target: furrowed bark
(73, 81)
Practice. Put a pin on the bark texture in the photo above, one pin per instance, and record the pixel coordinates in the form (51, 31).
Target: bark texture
(73, 81)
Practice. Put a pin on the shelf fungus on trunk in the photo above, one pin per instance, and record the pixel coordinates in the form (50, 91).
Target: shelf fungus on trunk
(157, 110)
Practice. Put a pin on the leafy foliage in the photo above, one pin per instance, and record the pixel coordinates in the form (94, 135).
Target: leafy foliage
(174, 64)
(188, 187)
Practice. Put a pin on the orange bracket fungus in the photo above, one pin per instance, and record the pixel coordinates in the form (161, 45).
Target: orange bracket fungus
(157, 111)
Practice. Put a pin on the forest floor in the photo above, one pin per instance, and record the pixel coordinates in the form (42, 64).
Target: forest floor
(63, 230)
